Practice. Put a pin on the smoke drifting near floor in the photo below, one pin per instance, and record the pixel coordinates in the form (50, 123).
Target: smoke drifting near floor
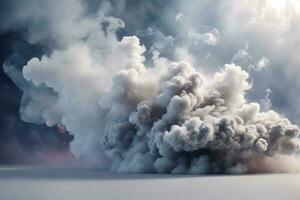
(159, 108)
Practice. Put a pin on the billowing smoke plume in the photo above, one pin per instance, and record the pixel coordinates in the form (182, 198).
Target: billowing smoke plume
(164, 117)
(183, 122)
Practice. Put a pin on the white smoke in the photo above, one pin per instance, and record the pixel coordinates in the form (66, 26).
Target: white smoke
(266, 103)
(243, 58)
(205, 34)
(178, 16)
(262, 63)
(164, 118)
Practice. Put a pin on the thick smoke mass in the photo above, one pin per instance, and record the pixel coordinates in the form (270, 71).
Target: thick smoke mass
(132, 112)
(168, 118)
(190, 124)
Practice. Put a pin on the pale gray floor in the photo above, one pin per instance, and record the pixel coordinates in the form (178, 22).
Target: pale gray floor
(87, 184)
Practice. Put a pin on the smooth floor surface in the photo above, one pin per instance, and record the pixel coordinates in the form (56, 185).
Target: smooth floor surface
(35, 183)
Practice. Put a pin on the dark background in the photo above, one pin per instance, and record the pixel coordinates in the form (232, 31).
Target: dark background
(27, 143)
(20, 142)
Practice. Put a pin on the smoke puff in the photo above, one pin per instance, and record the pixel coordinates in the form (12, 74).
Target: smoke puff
(187, 124)
(193, 135)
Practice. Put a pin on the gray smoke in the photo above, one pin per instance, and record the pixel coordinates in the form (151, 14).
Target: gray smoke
(190, 124)
(163, 117)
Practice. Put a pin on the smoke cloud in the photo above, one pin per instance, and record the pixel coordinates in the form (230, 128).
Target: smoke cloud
(190, 124)
(137, 109)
